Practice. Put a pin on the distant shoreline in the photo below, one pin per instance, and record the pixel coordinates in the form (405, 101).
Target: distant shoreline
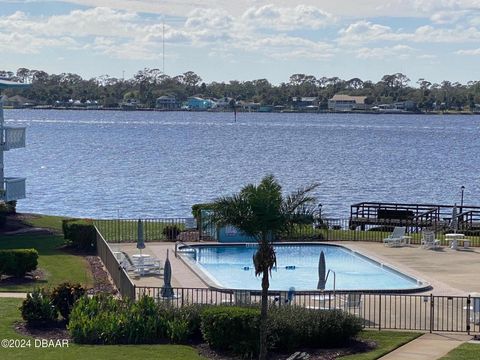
(243, 111)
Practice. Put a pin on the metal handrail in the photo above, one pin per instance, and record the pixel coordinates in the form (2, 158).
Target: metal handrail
(181, 243)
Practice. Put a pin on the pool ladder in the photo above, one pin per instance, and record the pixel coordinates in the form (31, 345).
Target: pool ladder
(185, 248)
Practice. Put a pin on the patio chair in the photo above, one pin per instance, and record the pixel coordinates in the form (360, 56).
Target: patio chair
(429, 241)
(396, 238)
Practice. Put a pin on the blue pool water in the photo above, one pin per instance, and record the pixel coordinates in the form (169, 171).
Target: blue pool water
(232, 267)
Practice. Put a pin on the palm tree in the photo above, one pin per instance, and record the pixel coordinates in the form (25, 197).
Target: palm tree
(262, 212)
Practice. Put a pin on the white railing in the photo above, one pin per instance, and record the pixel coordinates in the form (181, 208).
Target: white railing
(14, 138)
(14, 189)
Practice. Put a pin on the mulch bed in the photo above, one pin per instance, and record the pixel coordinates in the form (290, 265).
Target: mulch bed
(36, 276)
(57, 331)
(101, 279)
(354, 347)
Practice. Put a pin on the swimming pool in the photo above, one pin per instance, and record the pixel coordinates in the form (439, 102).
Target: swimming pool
(231, 266)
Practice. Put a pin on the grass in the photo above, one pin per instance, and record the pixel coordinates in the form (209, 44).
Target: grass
(465, 351)
(46, 222)
(58, 266)
(9, 314)
(127, 230)
(387, 341)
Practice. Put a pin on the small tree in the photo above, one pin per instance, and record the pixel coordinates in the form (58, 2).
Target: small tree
(262, 212)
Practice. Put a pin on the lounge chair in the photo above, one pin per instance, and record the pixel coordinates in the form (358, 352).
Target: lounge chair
(429, 241)
(396, 238)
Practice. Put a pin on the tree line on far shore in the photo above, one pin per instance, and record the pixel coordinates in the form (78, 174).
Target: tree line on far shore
(149, 84)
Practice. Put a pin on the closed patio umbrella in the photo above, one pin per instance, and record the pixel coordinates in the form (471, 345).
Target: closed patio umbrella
(140, 237)
(167, 291)
(454, 221)
(322, 279)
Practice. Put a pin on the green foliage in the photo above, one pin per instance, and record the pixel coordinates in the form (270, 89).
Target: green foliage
(37, 309)
(3, 215)
(103, 319)
(292, 327)
(197, 210)
(230, 328)
(64, 297)
(171, 232)
(18, 262)
(81, 233)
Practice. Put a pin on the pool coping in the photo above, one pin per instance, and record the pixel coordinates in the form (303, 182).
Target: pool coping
(208, 281)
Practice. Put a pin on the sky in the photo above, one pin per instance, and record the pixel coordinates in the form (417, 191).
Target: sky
(245, 39)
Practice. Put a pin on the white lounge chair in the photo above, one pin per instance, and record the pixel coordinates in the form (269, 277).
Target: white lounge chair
(352, 303)
(396, 238)
(429, 241)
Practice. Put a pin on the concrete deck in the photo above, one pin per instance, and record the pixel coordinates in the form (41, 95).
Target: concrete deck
(428, 347)
(450, 272)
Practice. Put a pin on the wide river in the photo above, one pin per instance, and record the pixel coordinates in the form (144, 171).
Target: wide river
(157, 164)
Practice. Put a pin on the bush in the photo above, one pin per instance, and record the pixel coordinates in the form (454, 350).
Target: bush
(81, 233)
(292, 327)
(18, 262)
(103, 319)
(197, 210)
(171, 232)
(232, 328)
(37, 309)
(64, 297)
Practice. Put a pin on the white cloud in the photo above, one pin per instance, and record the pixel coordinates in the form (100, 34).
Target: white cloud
(394, 52)
(365, 31)
(470, 52)
(287, 18)
(350, 8)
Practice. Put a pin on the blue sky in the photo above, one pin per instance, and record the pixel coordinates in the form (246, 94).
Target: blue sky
(245, 39)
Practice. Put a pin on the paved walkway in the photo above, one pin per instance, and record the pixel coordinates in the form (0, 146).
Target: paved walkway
(18, 295)
(428, 347)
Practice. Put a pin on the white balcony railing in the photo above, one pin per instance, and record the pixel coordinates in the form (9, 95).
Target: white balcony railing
(14, 138)
(14, 189)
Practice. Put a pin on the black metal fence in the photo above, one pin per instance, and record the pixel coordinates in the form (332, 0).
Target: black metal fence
(186, 229)
(377, 311)
(125, 286)
(161, 229)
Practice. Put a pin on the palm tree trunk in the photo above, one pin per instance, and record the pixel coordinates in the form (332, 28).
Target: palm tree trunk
(263, 317)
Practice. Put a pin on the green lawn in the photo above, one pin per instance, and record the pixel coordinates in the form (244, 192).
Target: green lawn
(46, 221)
(58, 265)
(465, 351)
(387, 342)
(127, 230)
(9, 313)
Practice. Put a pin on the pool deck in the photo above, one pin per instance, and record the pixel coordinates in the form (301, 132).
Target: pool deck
(450, 272)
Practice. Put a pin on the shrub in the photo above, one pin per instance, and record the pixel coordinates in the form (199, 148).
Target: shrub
(103, 319)
(64, 297)
(37, 309)
(232, 328)
(197, 210)
(3, 215)
(11, 207)
(81, 233)
(18, 262)
(171, 232)
(292, 327)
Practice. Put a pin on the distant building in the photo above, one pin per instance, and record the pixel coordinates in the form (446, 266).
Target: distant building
(18, 101)
(167, 103)
(196, 103)
(224, 102)
(408, 105)
(346, 103)
(250, 106)
(302, 103)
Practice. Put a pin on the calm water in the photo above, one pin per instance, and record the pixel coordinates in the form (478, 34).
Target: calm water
(227, 265)
(154, 164)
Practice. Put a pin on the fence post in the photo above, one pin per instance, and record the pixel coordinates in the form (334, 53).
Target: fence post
(469, 301)
(380, 313)
(432, 299)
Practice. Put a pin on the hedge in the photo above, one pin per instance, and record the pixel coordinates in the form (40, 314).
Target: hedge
(81, 233)
(18, 262)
